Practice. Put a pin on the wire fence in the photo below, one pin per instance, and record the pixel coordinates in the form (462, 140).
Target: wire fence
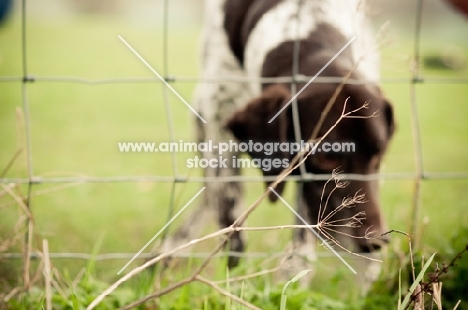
(32, 180)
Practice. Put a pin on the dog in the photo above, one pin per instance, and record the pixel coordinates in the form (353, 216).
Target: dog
(254, 39)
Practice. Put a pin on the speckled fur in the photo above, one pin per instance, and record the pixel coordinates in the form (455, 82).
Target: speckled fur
(217, 101)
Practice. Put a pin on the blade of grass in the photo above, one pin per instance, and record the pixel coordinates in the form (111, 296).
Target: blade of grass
(92, 262)
(228, 288)
(284, 297)
(242, 294)
(399, 289)
(413, 286)
(75, 302)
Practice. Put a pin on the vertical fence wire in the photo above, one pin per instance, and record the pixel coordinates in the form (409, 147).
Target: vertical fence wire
(415, 127)
(168, 110)
(167, 104)
(27, 132)
(295, 73)
(295, 110)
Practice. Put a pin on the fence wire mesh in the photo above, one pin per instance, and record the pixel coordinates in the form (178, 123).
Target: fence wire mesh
(33, 180)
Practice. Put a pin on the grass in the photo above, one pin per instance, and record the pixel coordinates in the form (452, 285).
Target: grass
(75, 129)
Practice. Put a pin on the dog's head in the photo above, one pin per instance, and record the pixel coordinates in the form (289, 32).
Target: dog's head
(365, 133)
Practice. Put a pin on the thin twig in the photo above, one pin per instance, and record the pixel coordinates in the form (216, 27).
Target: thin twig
(38, 274)
(226, 293)
(47, 274)
(12, 293)
(58, 283)
(4, 192)
(10, 163)
(158, 258)
(348, 251)
(321, 199)
(41, 191)
(19, 201)
(249, 276)
(17, 235)
(27, 256)
(155, 295)
(78, 277)
(225, 231)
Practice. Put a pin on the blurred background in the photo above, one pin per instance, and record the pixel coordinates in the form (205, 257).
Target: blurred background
(81, 104)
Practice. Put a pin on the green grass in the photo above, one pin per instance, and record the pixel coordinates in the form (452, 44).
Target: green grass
(75, 129)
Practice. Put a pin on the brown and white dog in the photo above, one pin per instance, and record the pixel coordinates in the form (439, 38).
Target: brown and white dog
(258, 39)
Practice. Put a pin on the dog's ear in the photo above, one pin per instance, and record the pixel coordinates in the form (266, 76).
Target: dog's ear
(252, 124)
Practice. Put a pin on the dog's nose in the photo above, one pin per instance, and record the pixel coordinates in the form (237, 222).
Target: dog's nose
(372, 245)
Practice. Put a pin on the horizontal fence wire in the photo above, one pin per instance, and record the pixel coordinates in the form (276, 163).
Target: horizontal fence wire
(145, 256)
(238, 178)
(231, 79)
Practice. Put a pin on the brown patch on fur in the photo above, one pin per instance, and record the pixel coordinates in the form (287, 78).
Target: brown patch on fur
(369, 134)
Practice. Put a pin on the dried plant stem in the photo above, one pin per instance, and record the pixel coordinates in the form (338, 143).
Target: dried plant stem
(40, 192)
(226, 293)
(27, 248)
(249, 276)
(10, 163)
(20, 289)
(22, 130)
(296, 161)
(19, 201)
(47, 274)
(160, 257)
(18, 233)
(10, 186)
(38, 275)
(336, 243)
(12, 293)
(157, 294)
(437, 294)
(331, 102)
(58, 284)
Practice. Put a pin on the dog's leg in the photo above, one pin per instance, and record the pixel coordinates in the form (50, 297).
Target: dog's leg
(194, 222)
(302, 246)
(216, 102)
(230, 203)
(224, 196)
(221, 199)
